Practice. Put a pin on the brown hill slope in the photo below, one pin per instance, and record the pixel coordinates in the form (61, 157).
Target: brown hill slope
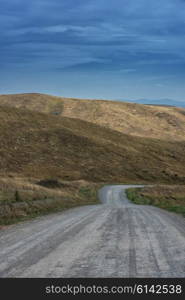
(167, 123)
(39, 145)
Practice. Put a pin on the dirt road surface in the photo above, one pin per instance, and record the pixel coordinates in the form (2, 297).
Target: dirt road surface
(113, 239)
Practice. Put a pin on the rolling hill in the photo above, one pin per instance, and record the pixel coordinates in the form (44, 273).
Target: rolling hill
(78, 145)
(158, 122)
(40, 145)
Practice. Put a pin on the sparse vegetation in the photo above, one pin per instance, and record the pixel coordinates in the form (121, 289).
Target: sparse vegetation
(160, 122)
(51, 183)
(30, 200)
(17, 197)
(90, 193)
(54, 152)
(37, 145)
(169, 197)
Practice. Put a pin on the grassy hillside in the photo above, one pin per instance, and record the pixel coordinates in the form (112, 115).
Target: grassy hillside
(169, 197)
(21, 198)
(38, 145)
(166, 123)
(50, 162)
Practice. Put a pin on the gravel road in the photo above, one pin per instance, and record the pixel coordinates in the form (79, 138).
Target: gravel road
(113, 239)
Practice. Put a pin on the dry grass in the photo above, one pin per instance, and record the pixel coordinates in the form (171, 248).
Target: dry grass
(134, 144)
(170, 197)
(121, 143)
(37, 145)
(20, 200)
(166, 123)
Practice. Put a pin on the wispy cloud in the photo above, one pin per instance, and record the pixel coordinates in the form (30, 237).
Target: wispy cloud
(93, 36)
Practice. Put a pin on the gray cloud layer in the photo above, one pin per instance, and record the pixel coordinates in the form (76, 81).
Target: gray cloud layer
(145, 36)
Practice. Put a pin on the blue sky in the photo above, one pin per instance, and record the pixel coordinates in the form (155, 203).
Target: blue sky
(111, 49)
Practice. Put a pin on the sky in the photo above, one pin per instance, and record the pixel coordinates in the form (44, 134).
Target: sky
(103, 49)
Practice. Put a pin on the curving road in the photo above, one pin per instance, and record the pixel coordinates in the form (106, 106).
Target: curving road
(115, 239)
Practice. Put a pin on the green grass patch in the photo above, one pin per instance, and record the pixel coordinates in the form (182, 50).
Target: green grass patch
(148, 196)
(89, 193)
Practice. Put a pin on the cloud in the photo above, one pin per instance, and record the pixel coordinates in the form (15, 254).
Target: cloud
(93, 36)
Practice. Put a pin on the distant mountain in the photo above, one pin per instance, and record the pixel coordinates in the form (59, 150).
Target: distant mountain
(161, 102)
